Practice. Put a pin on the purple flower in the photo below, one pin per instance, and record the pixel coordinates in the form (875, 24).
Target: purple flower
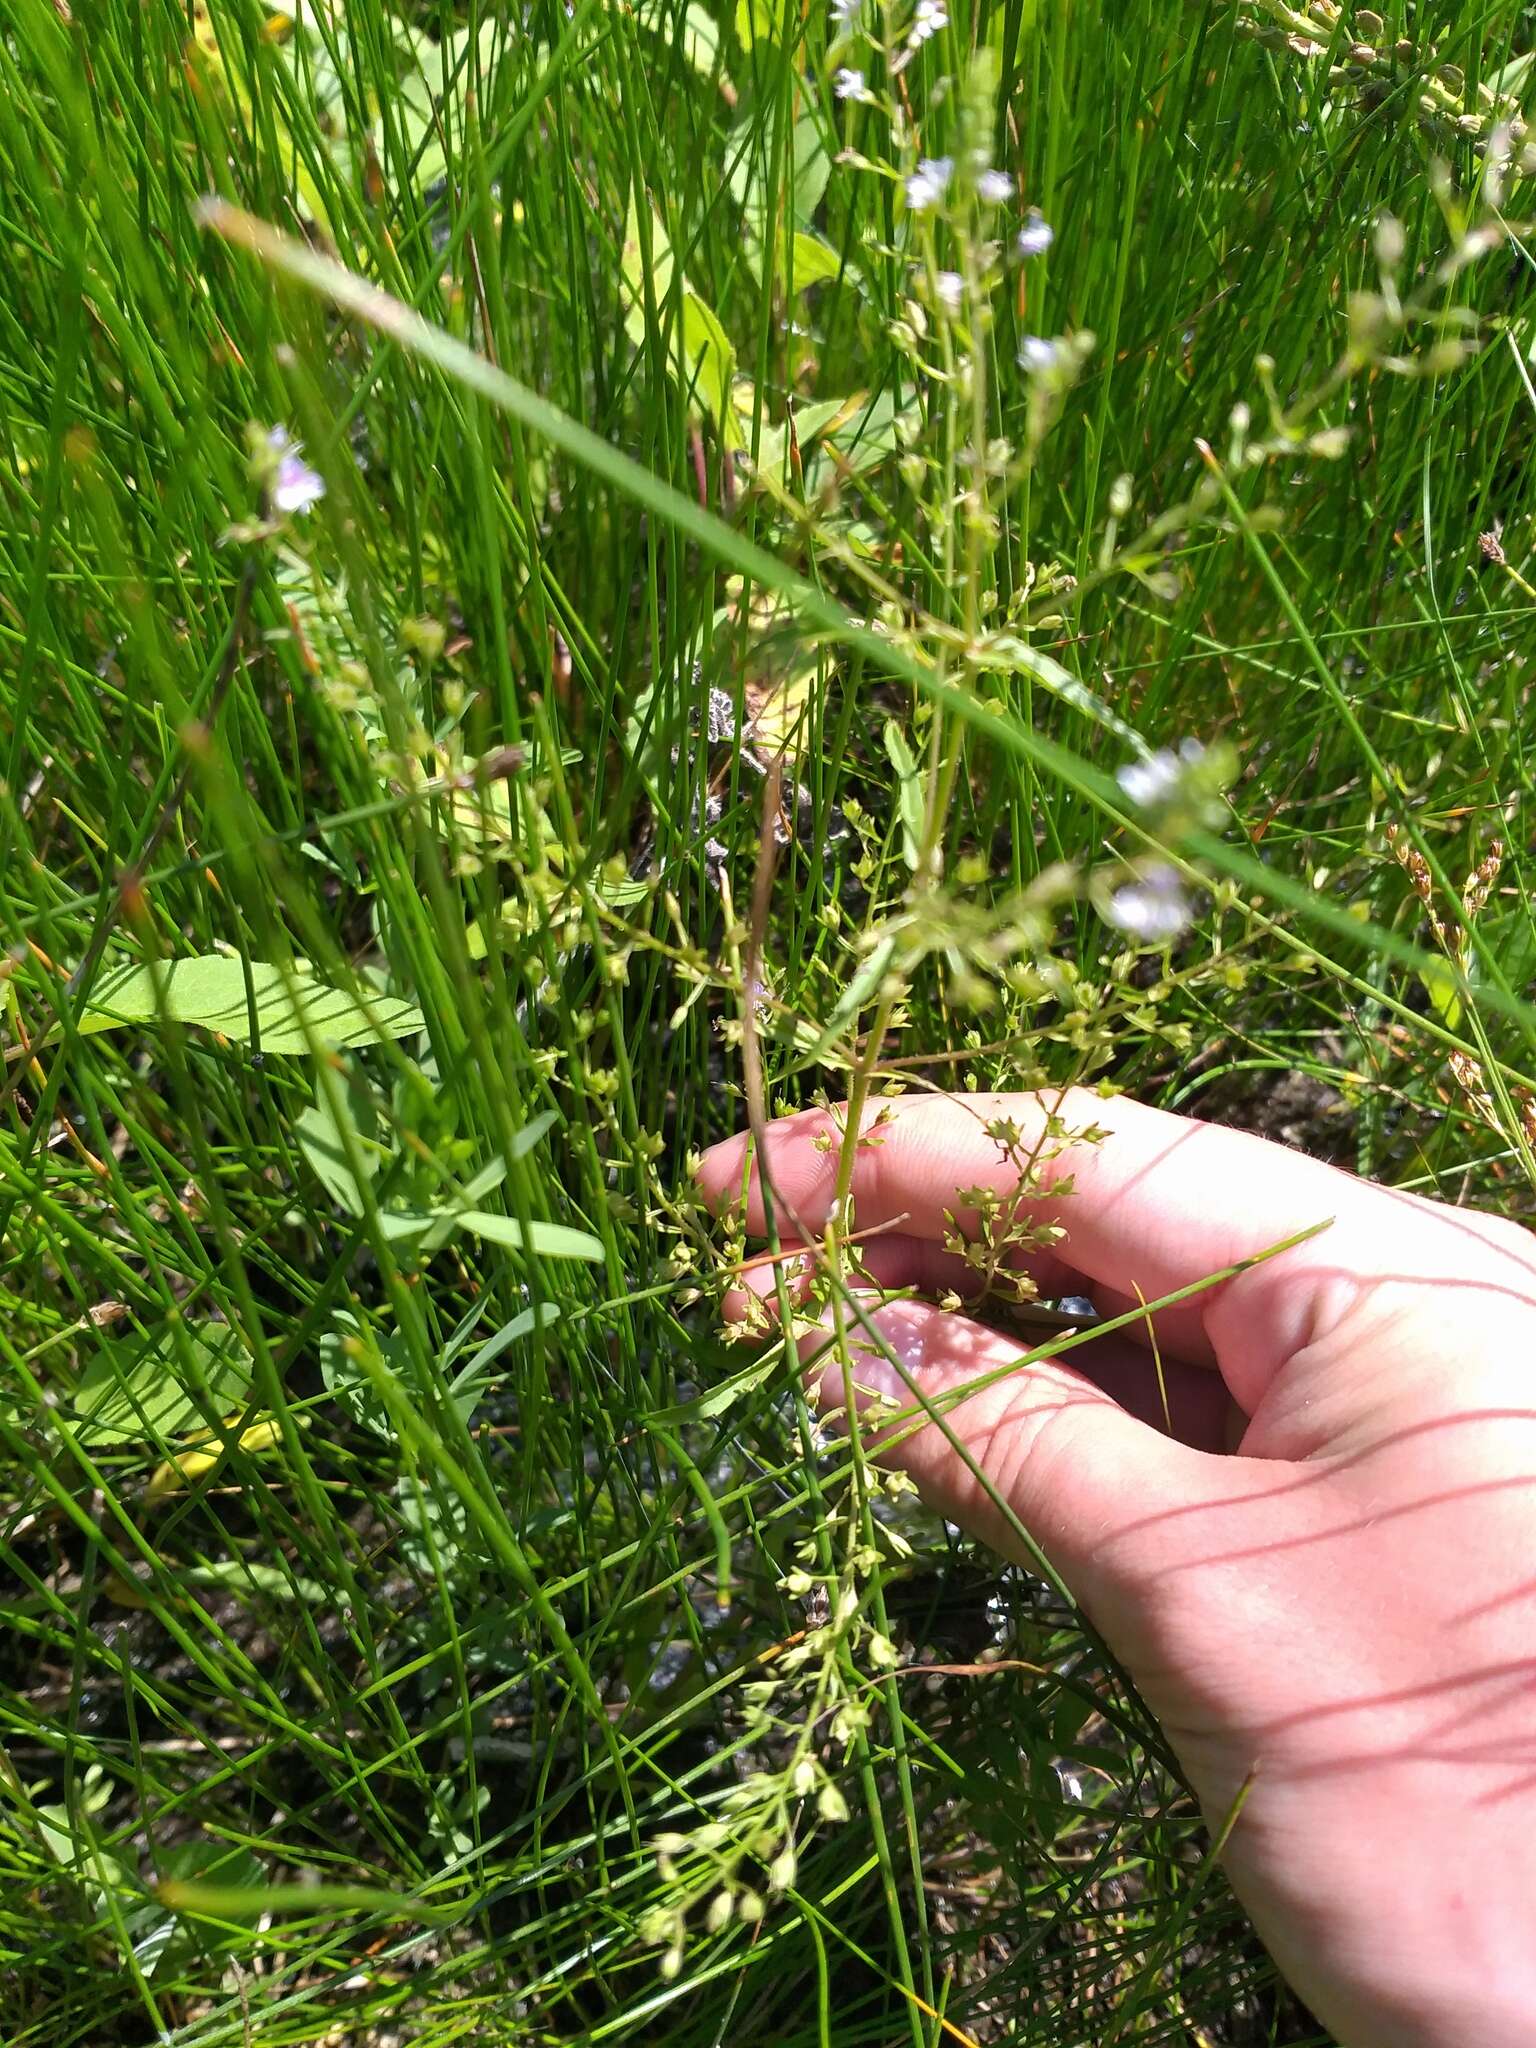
(294, 486)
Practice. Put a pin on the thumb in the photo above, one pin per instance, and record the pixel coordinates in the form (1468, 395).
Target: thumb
(1087, 1482)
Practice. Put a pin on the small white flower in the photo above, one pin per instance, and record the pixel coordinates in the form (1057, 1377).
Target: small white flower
(295, 486)
(1153, 907)
(845, 14)
(1036, 235)
(994, 188)
(1152, 782)
(1036, 354)
(931, 16)
(950, 286)
(927, 184)
(849, 85)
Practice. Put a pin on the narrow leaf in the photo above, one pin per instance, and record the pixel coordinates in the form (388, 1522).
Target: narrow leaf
(909, 793)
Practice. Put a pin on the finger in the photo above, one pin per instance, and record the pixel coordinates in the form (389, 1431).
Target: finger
(1158, 1203)
(1071, 1465)
(1189, 1401)
(894, 1259)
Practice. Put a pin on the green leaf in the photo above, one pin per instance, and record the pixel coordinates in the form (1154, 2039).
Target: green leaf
(709, 364)
(870, 430)
(696, 34)
(814, 261)
(124, 1398)
(532, 1131)
(701, 359)
(756, 23)
(324, 1129)
(216, 1862)
(471, 1381)
(345, 1378)
(549, 1240)
(1440, 985)
(251, 1001)
(632, 267)
(718, 1400)
(245, 1574)
(537, 1317)
(1005, 651)
(813, 1045)
(909, 793)
(813, 167)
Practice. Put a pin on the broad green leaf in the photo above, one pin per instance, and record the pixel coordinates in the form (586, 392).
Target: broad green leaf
(871, 429)
(126, 1396)
(437, 1529)
(1441, 987)
(756, 23)
(709, 364)
(814, 261)
(701, 360)
(331, 1134)
(345, 1377)
(483, 1183)
(909, 793)
(549, 1240)
(633, 269)
(813, 167)
(471, 1381)
(696, 34)
(811, 421)
(404, 1224)
(251, 1001)
(244, 1574)
(215, 1862)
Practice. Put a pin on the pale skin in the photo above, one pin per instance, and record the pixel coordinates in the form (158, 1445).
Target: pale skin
(1323, 1577)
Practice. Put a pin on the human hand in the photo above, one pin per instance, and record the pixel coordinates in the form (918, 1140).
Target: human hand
(1345, 1606)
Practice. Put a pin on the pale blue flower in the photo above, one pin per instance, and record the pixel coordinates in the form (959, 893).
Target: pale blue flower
(930, 17)
(1153, 782)
(928, 183)
(1036, 235)
(1152, 907)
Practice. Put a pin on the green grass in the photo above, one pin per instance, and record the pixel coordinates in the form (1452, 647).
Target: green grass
(389, 1559)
